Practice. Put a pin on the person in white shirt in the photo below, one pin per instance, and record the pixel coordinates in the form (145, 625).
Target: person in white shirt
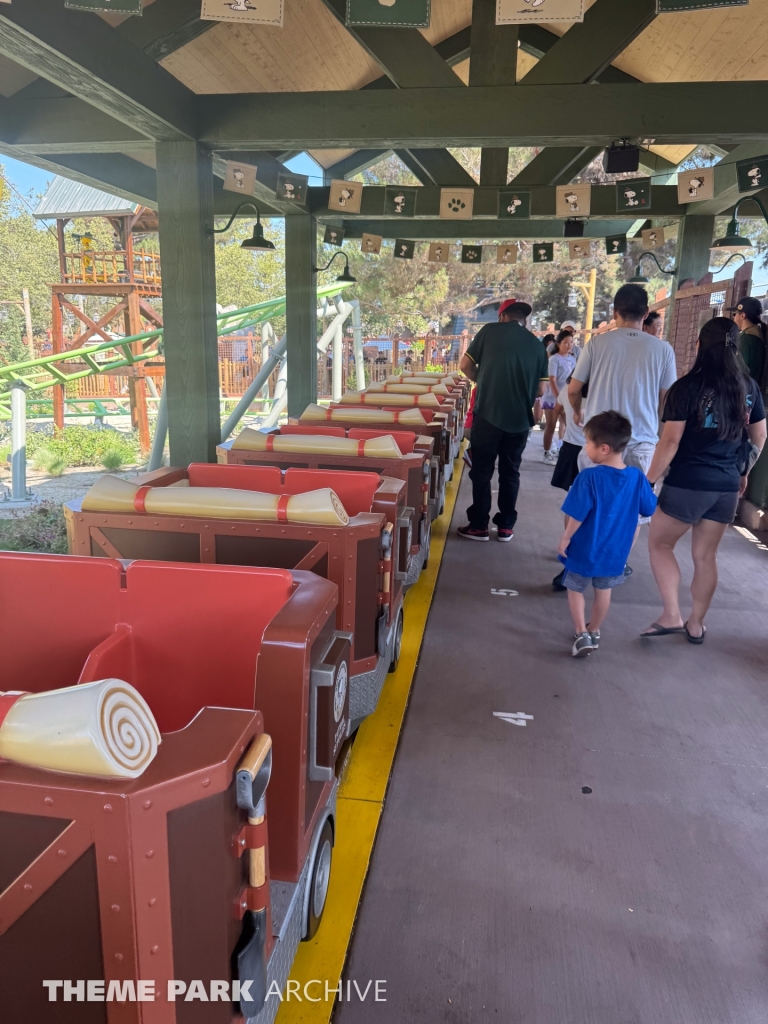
(628, 371)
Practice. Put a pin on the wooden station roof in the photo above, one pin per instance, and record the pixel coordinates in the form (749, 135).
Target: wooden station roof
(168, 74)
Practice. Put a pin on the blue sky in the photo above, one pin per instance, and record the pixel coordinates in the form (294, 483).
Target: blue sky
(25, 177)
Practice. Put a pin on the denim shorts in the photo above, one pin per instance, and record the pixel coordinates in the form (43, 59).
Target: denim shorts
(573, 581)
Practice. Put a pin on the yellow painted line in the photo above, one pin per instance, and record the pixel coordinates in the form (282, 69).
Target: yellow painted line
(361, 801)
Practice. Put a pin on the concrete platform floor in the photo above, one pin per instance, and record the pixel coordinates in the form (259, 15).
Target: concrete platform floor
(499, 890)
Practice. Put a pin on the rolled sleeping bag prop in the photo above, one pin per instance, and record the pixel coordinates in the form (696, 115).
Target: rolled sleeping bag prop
(366, 398)
(103, 728)
(361, 415)
(321, 507)
(384, 447)
(431, 374)
(407, 389)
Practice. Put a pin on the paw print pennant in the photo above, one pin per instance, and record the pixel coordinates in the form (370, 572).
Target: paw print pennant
(543, 252)
(403, 249)
(471, 254)
(507, 253)
(456, 203)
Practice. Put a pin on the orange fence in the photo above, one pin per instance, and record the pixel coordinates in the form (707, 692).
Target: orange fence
(111, 268)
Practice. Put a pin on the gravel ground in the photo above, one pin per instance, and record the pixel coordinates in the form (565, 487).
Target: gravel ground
(73, 483)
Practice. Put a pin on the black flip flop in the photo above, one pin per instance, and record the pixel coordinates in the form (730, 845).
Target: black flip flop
(696, 639)
(656, 630)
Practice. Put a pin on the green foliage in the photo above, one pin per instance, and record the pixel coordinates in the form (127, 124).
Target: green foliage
(49, 462)
(28, 259)
(85, 446)
(42, 529)
(112, 460)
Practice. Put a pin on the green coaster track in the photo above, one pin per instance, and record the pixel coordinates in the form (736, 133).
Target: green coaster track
(39, 375)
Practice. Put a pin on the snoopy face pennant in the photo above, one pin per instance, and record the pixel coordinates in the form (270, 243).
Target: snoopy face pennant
(752, 175)
(696, 185)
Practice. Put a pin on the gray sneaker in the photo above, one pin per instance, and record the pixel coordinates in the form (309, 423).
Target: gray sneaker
(595, 634)
(582, 645)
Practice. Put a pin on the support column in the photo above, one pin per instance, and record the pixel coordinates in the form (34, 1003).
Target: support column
(301, 311)
(494, 51)
(694, 237)
(185, 208)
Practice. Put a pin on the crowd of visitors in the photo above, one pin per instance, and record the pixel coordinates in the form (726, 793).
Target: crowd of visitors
(628, 430)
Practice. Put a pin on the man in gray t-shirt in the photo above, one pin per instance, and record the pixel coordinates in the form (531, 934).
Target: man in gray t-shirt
(629, 371)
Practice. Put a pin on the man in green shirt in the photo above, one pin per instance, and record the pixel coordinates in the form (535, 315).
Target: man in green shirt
(509, 365)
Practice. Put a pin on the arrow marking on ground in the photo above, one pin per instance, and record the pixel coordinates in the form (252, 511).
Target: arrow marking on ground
(513, 717)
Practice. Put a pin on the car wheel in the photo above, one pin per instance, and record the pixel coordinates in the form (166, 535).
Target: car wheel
(398, 642)
(319, 879)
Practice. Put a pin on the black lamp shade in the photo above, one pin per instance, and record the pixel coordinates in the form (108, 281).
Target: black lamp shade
(257, 241)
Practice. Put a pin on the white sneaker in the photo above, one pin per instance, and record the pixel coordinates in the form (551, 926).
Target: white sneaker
(550, 458)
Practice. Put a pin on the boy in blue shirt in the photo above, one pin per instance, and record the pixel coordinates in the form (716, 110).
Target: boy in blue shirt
(603, 504)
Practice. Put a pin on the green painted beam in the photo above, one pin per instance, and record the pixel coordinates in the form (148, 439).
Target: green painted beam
(301, 312)
(588, 47)
(185, 208)
(436, 166)
(85, 56)
(354, 164)
(165, 26)
(494, 63)
(404, 54)
(477, 230)
(556, 165)
(550, 115)
(413, 165)
(60, 123)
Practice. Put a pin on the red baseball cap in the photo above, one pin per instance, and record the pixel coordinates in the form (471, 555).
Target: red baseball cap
(519, 307)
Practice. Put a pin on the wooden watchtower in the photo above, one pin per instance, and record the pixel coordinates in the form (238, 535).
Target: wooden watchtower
(127, 274)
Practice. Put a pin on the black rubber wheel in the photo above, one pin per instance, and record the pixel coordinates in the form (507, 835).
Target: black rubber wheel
(318, 883)
(398, 642)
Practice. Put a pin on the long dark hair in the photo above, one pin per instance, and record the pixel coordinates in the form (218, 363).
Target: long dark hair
(561, 338)
(719, 378)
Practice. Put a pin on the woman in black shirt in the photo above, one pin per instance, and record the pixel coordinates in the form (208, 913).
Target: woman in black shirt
(714, 428)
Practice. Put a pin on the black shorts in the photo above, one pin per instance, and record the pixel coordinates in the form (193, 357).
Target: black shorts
(689, 506)
(567, 468)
